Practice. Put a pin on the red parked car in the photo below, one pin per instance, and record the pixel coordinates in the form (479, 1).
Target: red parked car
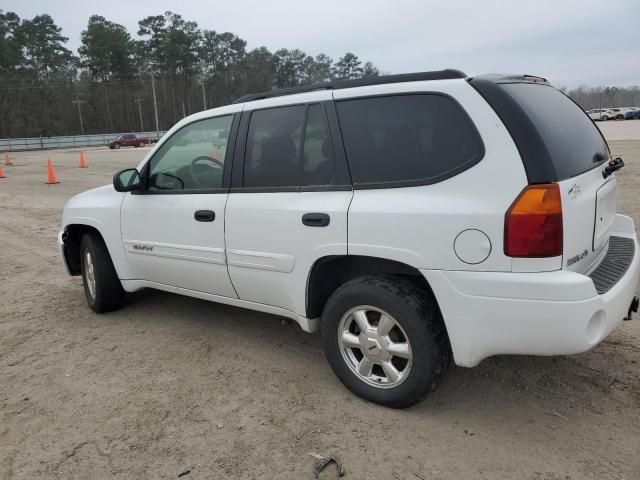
(128, 140)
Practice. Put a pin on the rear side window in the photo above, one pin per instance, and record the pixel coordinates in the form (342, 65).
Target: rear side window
(413, 139)
(573, 142)
(289, 147)
(318, 164)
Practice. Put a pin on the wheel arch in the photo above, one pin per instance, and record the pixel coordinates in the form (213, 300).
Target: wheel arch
(330, 272)
(72, 237)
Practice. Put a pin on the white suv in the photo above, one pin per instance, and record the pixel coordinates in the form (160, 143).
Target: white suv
(600, 114)
(410, 218)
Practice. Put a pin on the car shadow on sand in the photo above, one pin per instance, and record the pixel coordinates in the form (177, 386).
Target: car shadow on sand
(555, 386)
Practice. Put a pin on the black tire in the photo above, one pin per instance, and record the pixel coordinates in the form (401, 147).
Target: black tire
(111, 147)
(109, 294)
(619, 117)
(604, 118)
(417, 314)
(116, 146)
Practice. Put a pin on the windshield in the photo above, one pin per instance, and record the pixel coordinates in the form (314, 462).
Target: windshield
(574, 143)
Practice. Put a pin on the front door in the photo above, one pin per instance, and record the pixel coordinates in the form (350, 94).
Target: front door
(173, 231)
(291, 206)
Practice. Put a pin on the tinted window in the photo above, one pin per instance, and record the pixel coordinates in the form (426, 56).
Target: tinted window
(193, 158)
(407, 138)
(574, 143)
(284, 150)
(318, 164)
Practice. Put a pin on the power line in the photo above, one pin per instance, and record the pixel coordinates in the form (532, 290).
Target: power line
(73, 85)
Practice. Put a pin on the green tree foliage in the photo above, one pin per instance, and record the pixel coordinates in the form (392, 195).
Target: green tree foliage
(10, 48)
(106, 50)
(42, 84)
(43, 47)
(32, 59)
(171, 44)
(348, 67)
(320, 69)
(370, 70)
(290, 67)
(220, 51)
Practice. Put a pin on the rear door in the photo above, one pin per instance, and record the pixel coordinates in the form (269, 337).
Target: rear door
(289, 203)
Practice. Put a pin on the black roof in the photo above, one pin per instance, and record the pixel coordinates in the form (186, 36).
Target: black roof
(360, 82)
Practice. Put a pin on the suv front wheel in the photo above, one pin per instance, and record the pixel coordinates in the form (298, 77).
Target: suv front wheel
(385, 340)
(102, 287)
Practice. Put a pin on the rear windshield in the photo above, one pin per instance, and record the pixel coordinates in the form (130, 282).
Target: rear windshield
(574, 143)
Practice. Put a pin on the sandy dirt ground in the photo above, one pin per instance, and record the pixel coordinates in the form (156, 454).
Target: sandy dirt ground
(173, 387)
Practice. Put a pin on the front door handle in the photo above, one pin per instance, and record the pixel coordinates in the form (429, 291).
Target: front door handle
(205, 215)
(316, 219)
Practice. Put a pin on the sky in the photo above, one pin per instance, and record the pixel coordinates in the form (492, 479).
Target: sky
(569, 42)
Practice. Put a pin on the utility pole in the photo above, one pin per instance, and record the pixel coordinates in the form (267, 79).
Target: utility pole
(203, 78)
(77, 101)
(155, 104)
(204, 96)
(139, 102)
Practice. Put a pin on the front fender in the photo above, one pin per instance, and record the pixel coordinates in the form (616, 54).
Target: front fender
(100, 209)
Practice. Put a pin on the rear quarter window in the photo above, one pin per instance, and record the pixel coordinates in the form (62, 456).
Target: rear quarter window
(573, 143)
(407, 139)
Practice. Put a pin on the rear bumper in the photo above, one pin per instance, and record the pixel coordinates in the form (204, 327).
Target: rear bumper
(547, 313)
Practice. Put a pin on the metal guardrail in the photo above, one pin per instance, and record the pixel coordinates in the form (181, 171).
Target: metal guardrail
(45, 143)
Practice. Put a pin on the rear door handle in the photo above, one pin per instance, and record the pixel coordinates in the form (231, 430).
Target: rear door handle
(205, 215)
(316, 219)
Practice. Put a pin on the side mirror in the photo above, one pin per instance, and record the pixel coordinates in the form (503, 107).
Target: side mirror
(127, 180)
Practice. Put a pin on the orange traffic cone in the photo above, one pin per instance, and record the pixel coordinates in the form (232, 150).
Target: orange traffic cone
(51, 174)
(2, 173)
(7, 160)
(83, 161)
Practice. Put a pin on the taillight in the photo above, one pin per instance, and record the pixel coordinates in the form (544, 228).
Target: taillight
(533, 224)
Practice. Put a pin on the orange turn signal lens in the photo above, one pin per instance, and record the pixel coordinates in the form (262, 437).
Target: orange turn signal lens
(533, 223)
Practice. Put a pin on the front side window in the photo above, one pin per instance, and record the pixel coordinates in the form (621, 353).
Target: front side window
(287, 147)
(407, 138)
(193, 158)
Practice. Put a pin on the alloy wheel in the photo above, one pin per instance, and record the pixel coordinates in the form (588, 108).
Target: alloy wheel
(374, 346)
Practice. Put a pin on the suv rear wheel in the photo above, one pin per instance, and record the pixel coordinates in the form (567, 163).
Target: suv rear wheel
(385, 340)
(101, 284)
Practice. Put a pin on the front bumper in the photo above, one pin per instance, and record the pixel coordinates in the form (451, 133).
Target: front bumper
(547, 313)
(62, 251)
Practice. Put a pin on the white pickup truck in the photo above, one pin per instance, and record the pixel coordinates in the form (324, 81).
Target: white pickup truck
(412, 219)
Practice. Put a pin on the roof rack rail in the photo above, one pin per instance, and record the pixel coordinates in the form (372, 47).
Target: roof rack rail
(360, 82)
